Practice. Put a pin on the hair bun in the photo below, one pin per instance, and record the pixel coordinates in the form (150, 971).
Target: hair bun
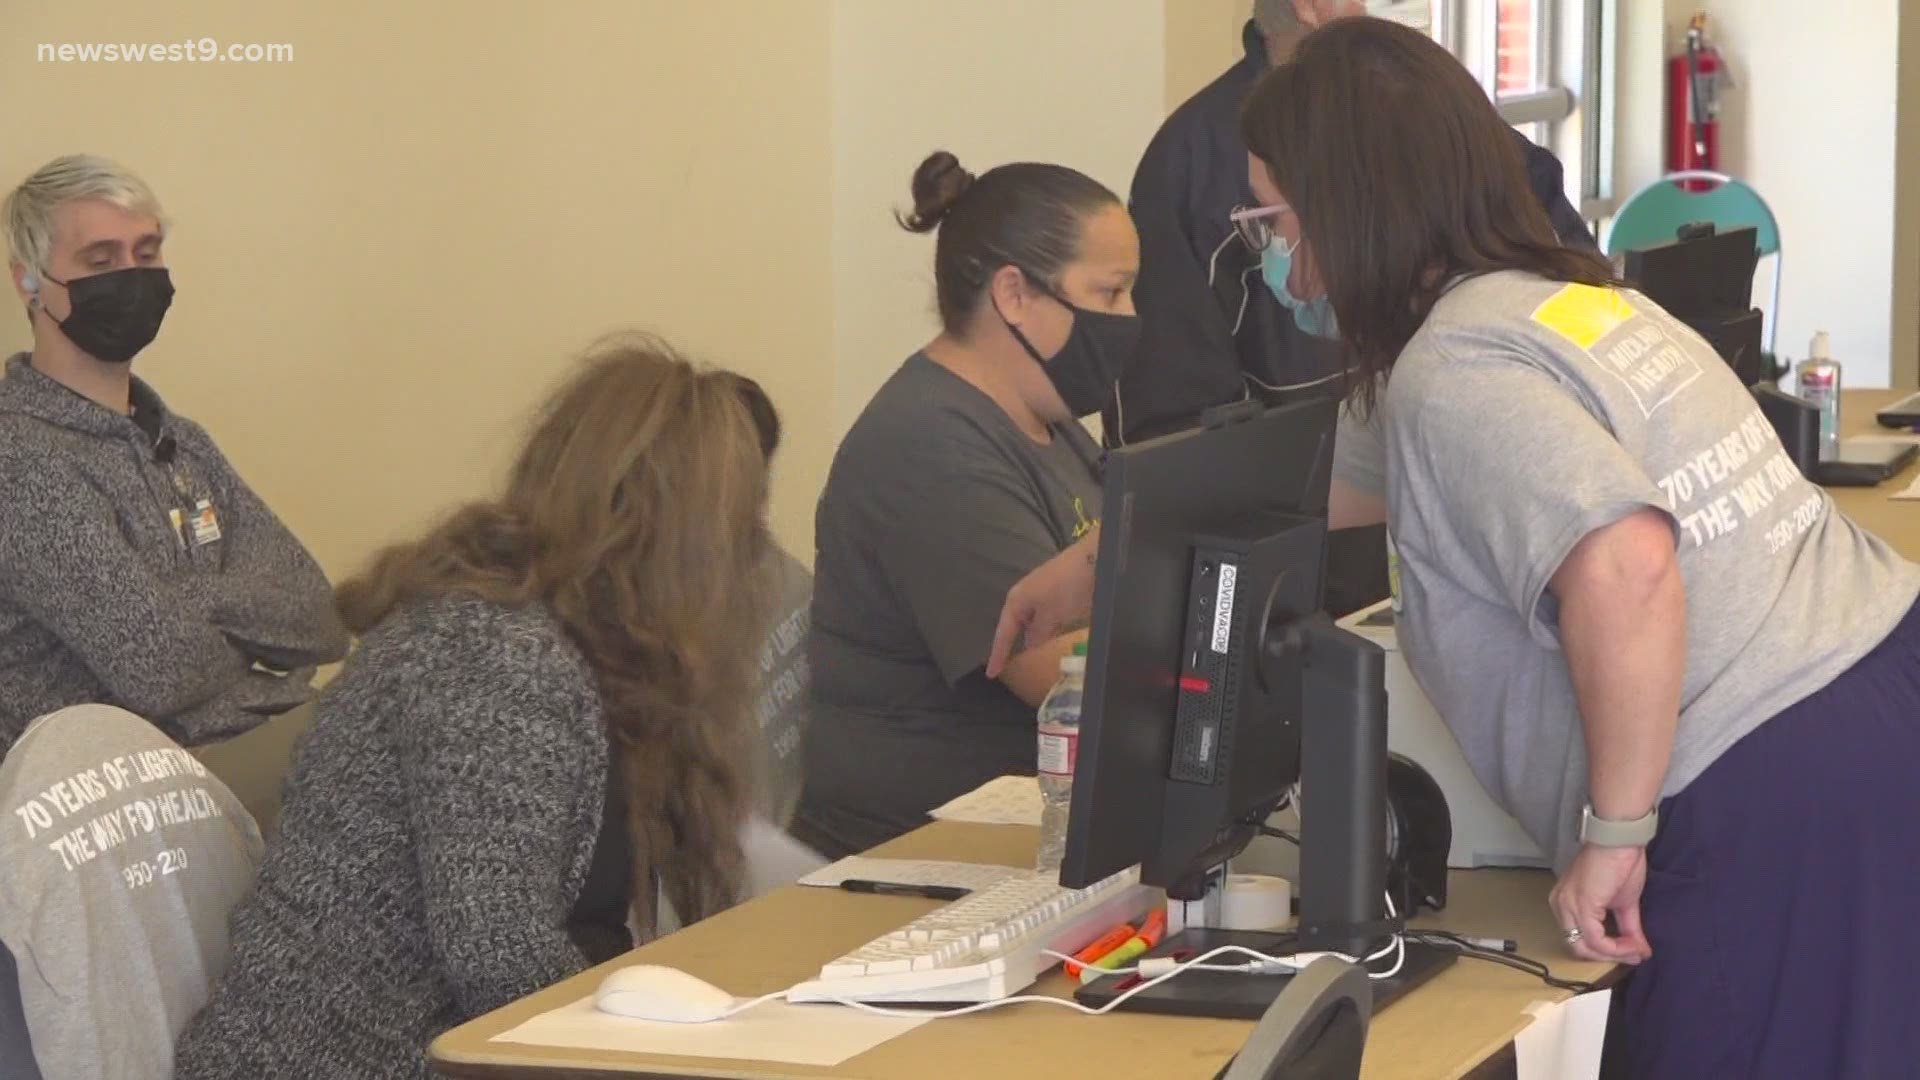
(938, 184)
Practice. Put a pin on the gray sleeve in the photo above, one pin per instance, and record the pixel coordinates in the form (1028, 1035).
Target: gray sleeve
(274, 599)
(1506, 471)
(971, 537)
(72, 571)
(1360, 448)
(493, 766)
(240, 707)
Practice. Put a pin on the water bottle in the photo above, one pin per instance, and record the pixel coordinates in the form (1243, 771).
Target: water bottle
(1817, 380)
(1059, 750)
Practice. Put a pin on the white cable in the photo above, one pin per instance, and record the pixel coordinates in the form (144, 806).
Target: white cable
(1399, 942)
(1104, 972)
(777, 995)
(1308, 385)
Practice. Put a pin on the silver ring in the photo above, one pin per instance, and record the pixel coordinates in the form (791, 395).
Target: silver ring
(1573, 936)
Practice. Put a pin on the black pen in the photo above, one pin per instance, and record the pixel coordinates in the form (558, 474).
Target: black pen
(888, 888)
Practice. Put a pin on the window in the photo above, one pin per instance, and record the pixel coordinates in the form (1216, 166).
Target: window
(1548, 66)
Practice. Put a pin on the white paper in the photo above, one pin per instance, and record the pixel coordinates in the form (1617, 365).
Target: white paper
(818, 1035)
(1912, 491)
(1565, 1039)
(973, 876)
(1010, 800)
(775, 859)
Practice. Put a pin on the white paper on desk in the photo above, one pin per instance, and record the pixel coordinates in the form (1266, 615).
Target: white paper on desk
(972, 876)
(1912, 491)
(1565, 1039)
(1010, 800)
(819, 1035)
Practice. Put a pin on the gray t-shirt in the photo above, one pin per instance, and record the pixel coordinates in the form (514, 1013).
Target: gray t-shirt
(936, 506)
(1525, 414)
(782, 704)
(123, 857)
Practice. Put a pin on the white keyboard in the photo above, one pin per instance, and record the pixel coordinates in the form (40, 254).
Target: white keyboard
(984, 947)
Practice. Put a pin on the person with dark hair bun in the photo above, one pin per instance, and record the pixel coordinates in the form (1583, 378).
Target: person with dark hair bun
(967, 470)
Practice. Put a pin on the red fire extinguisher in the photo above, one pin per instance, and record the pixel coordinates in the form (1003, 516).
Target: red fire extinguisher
(1693, 104)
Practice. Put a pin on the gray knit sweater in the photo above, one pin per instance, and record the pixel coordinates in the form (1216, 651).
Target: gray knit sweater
(110, 595)
(438, 826)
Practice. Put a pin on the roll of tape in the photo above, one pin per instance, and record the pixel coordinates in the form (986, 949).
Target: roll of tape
(1256, 902)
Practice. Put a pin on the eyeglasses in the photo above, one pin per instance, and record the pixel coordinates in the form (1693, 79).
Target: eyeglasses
(1254, 225)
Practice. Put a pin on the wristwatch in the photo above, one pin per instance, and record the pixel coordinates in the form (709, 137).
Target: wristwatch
(1603, 833)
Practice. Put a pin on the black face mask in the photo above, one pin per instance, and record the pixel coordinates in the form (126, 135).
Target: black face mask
(1098, 349)
(118, 313)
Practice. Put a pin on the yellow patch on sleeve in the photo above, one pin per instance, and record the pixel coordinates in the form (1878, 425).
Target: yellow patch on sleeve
(1584, 314)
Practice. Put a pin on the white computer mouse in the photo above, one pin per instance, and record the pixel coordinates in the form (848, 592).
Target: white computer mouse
(651, 992)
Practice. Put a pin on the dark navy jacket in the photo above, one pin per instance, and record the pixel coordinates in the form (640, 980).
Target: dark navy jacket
(1192, 176)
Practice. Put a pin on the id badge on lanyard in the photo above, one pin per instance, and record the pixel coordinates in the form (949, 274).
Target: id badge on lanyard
(199, 526)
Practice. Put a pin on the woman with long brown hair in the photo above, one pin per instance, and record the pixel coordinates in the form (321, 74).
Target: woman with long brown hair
(542, 735)
(1691, 678)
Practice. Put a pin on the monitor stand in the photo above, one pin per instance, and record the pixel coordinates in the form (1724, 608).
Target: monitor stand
(1343, 839)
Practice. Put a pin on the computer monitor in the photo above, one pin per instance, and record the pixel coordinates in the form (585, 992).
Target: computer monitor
(1164, 777)
(1704, 278)
(1215, 683)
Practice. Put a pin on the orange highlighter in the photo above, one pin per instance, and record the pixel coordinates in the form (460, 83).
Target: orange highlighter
(1099, 947)
(1136, 946)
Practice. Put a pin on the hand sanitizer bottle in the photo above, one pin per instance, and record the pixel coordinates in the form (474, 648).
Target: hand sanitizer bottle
(1817, 381)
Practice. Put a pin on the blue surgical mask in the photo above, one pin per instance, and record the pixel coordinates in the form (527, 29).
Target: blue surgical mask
(1314, 316)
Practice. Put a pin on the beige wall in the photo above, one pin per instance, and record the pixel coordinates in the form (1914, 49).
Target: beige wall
(387, 248)
(1640, 95)
(1203, 40)
(1078, 82)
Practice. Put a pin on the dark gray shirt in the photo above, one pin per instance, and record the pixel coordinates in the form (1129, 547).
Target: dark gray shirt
(782, 705)
(936, 505)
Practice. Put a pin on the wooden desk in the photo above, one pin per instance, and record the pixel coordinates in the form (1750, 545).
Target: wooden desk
(1898, 523)
(1447, 1028)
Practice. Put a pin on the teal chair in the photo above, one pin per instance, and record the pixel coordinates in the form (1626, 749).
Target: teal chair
(1655, 213)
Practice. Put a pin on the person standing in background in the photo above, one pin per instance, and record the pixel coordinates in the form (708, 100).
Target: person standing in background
(1211, 332)
(137, 569)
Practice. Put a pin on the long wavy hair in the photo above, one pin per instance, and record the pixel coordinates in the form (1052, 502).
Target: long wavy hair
(636, 516)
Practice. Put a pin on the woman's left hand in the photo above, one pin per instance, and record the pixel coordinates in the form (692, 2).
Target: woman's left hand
(1602, 880)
